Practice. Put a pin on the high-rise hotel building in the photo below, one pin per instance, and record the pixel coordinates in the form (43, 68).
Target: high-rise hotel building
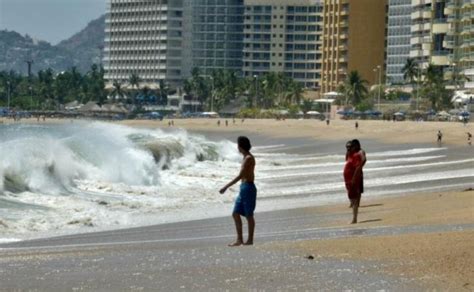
(145, 38)
(353, 40)
(460, 39)
(429, 30)
(283, 36)
(165, 39)
(398, 39)
(217, 34)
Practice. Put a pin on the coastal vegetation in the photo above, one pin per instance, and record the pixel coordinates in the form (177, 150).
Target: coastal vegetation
(50, 90)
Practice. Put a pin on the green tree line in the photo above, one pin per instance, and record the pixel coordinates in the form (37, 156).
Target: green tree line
(48, 90)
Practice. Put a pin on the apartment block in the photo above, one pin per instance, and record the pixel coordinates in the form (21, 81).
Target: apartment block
(398, 39)
(429, 33)
(217, 34)
(145, 38)
(460, 39)
(353, 39)
(283, 36)
(165, 39)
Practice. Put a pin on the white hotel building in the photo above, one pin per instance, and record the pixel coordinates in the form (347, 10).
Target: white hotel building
(165, 39)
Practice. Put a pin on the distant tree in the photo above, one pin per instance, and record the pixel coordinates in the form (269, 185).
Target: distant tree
(163, 93)
(410, 70)
(117, 91)
(356, 86)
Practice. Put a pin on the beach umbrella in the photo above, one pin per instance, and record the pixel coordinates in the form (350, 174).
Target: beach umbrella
(376, 113)
(313, 113)
(399, 114)
(464, 114)
(431, 112)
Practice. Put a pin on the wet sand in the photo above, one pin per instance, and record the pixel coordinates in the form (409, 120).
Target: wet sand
(414, 242)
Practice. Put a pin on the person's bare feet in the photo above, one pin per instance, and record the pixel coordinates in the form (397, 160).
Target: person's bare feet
(237, 243)
(249, 243)
(354, 222)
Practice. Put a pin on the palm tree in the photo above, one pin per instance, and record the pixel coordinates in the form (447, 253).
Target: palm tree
(117, 91)
(164, 89)
(356, 86)
(295, 92)
(410, 70)
(134, 81)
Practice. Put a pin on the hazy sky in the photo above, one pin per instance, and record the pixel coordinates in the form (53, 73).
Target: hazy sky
(49, 20)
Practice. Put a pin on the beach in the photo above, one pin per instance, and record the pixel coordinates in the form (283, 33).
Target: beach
(338, 130)
(405, 239)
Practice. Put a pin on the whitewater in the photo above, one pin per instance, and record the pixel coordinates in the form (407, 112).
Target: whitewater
(90, 176)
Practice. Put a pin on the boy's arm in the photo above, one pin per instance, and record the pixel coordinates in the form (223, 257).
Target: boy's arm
(243, 169)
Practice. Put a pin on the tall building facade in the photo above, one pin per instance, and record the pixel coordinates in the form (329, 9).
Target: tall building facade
(398, 39)
(164, 39)
(460, 39)
(353, 40)
(217, 34)
(145, 38)
(283, 36)
(429, 33)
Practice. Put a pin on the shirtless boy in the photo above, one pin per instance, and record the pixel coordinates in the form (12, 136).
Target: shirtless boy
(246, 201)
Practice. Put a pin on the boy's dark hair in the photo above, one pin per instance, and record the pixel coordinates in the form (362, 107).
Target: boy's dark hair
(244, 143)
(356, 144)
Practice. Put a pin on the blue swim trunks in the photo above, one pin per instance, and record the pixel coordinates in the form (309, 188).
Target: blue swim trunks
(246, 200)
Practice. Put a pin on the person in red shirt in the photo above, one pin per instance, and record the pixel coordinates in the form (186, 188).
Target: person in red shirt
(355, 160)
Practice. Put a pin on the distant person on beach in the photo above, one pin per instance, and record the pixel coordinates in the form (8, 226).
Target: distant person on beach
(327, 122)
(353, 176)
(469, 138)
(226, 123)
(218, 123)
(357, 125)
(246, 200)
(440, 137)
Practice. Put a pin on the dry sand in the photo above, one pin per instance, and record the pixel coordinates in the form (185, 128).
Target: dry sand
(389, 132)
(440, 260)
(454, 133)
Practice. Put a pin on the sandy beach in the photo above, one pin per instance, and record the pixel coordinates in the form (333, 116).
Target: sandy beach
(403, 242)
(338, 130)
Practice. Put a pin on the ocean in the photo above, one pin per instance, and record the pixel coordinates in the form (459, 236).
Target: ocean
(90, 176)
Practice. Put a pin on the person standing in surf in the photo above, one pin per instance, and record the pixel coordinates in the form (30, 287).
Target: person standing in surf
(353, 176)
(246, 200)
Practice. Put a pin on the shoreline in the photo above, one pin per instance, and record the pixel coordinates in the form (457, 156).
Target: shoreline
(438, 257)
(454, 133)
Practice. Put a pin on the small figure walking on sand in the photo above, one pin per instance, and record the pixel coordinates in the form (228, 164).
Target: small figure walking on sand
(355, 160)
(440, 137)
(247, 198)
(469, 138)
(226, 123)
(357, 125)
(327, 122)
(218, 123)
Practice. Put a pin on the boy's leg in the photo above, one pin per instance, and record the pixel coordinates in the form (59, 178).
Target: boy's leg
(238, 227)
(251, 223)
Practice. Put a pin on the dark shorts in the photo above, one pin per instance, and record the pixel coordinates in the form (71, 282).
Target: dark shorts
(246, 200)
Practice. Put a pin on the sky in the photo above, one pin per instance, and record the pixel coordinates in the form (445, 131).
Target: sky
(49, 20)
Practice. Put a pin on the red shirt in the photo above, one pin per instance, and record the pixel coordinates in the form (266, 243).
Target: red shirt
(353, 161)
